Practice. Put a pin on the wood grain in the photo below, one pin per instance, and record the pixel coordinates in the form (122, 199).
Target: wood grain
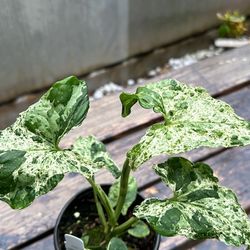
(218, 74)
(44, 244)
(18, 226)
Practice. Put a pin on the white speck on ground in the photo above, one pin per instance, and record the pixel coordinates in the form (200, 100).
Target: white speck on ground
(140, 80)
(131, 82)
(158, 70)
(152, 73)
(107, 89)
(76, 214)
(174, 63)
(188, 59)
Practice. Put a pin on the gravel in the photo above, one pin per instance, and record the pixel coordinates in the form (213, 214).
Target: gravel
(188, 59)
(131, 82)
(107, 89)
(174, 63)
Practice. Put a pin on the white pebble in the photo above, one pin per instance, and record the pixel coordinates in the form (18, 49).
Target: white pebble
(158, 70)
(76, 214)
(97, 94)
(107, 89)
(131, 82)
(188, 59)
(152, 73)
(140, 80)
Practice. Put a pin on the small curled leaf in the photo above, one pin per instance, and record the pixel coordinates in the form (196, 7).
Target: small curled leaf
(139, 230)
(116, 244)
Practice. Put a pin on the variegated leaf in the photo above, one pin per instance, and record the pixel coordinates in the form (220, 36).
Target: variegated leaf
(200, 208)
(116, 244)
(192, 118)
(139, 229)
(89, 148)
(31, 163)
(64, 106)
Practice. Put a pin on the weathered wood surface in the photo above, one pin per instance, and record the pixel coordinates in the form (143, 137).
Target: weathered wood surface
(25, 224)
(17, 227)
(215, 245)
(44, 244)
(131, 68)
(218, 74)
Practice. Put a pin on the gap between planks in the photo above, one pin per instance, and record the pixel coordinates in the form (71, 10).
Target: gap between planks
(215, 74)
(239, 100)
(239, 75)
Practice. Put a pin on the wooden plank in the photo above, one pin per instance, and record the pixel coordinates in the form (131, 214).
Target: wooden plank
(18, 226)
(215, 245)
(139, 66)
(217, 74)
(43, 244)
(132, 68)
(209, 73)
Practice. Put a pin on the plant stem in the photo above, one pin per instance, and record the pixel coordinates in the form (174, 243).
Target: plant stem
(123, 189)
(100, 212)
(124, 226)
(105, 201)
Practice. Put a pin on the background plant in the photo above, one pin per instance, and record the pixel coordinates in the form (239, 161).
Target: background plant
(32, 163)
(233, 24)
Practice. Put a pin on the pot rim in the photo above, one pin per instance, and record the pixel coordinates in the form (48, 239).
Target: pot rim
(157, 239)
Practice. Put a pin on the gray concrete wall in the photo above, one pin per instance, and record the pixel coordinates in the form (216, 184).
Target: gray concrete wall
(42, 41)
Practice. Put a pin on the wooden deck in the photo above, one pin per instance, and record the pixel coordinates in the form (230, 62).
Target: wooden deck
(226, 77)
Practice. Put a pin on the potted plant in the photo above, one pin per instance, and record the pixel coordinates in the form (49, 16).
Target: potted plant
(32, 164)
(233, 24)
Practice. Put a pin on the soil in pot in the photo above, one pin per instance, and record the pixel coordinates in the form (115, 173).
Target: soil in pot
(80, 216)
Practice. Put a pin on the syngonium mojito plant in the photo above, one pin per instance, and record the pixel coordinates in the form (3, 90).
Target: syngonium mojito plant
(32, 162)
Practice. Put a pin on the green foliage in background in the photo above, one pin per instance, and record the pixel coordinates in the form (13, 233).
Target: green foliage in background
(233, 24)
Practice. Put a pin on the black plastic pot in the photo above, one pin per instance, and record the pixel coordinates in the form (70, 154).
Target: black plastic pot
(83, 202)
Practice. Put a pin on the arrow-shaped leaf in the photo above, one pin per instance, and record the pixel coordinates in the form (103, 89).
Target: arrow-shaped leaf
(31, 163)
(192, 119)
(200, 208)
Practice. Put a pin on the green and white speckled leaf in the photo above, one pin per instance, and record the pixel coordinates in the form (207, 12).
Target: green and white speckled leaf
(31, 164)
(192, 119)
(130, 197)
(93, 150)
(200, 208)
(64, 106)
(139, 229)
(117, 244)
